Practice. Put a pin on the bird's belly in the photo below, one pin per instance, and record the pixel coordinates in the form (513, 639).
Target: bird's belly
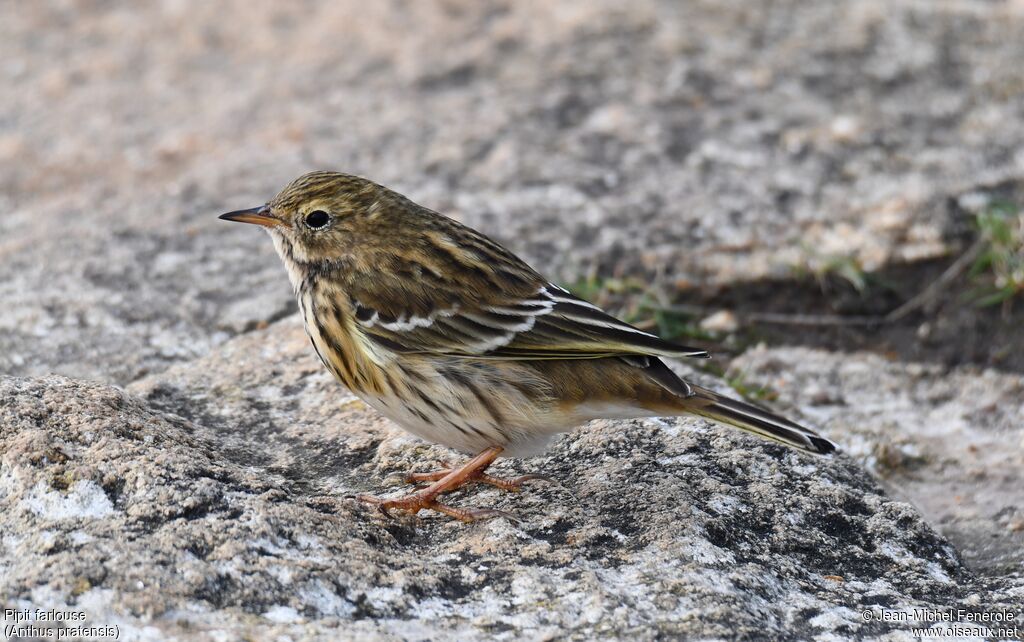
(436, 427)
(471, 406)
(466, 432)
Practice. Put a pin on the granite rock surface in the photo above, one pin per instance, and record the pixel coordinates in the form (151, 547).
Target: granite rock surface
(215, 497)
(174, 461)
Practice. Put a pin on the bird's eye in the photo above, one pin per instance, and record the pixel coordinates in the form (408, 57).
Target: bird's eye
(317, 219)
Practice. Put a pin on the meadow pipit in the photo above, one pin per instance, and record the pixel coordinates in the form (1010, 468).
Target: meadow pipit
(460, 342)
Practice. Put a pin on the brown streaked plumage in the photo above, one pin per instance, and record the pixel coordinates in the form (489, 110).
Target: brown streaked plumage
(460, 342)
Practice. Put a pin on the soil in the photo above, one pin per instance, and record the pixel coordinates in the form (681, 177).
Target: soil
(950, 330)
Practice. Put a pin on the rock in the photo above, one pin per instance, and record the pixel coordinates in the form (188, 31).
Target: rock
(951, 441)
(721, 322)
(212, 500)
(659, 142)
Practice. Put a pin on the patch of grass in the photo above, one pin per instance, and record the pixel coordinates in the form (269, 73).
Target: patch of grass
(823, 267)
(676, 325)
(738, 381)
(607, 292)
(998, 272)
(642, 305)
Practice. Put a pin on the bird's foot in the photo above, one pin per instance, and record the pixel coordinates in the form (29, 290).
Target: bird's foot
(513, 485)
(415, 503)
(446, 481)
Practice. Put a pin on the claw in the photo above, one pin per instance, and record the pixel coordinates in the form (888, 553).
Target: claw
(413, 503)
(449, 479)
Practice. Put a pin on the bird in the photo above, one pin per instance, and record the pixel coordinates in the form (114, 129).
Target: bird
(457, 340)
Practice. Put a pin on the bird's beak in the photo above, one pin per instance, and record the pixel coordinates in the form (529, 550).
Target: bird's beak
(258, 215)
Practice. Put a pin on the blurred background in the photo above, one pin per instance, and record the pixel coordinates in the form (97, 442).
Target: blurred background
(748, 175)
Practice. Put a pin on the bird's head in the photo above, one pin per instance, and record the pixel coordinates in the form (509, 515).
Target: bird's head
(319, 216)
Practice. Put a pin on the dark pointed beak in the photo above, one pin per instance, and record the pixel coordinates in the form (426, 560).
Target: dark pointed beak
(257, 215)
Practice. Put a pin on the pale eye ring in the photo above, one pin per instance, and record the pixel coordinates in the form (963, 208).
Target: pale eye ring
(317, 219)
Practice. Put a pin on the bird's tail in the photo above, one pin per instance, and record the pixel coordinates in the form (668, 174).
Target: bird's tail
(756, 420)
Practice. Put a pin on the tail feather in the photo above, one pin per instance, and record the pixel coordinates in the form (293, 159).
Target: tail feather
(756, 420)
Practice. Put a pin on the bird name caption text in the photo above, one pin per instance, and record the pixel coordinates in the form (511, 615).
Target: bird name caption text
(54, 624)
(952, 622)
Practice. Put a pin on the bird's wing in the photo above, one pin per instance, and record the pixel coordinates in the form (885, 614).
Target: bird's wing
(528, 320)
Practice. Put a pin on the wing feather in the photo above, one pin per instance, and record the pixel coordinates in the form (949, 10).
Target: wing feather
(550, 323)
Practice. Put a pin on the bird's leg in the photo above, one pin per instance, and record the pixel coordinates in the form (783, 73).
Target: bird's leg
(452, 479)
